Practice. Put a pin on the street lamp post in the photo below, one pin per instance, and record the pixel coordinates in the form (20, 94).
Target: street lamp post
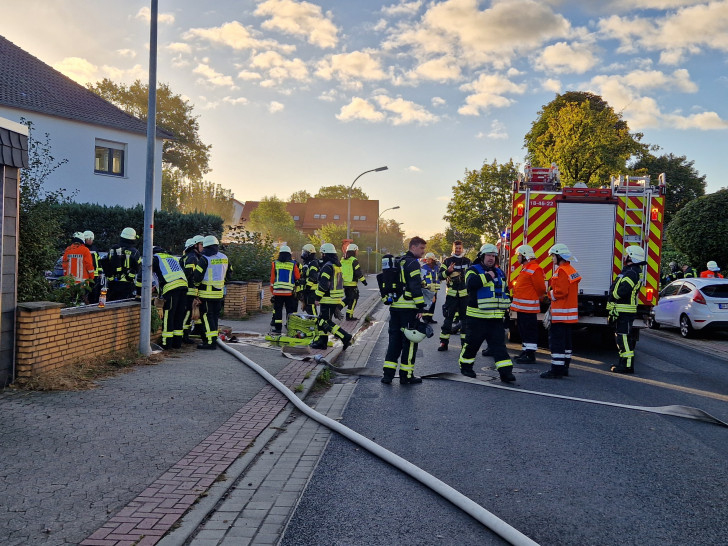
(348, 204)
(376, 242)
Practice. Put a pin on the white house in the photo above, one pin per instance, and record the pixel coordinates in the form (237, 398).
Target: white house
(105, 147)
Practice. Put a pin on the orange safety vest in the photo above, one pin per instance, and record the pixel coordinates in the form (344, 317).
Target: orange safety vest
(78, 263)
(711, 275)
(564, 294)
(528, 288)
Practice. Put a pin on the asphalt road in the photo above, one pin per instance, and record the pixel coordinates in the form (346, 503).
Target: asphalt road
(561, 472)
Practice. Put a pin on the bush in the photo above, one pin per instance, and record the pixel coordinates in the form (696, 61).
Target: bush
(250, 257)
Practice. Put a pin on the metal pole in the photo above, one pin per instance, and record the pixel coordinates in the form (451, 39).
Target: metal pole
(145, 323)
(348, 203)
(376, 242)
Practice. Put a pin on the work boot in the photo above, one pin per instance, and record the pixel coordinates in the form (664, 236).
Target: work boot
(556, 372)
(621, 369)
(207, 346)
(186, 339)
(506, 374)
(388, 376)
(467, 370)
(486, 352)
(346, 342)
(405, 379)
(443, 346)
(319, 344)
(526, 357)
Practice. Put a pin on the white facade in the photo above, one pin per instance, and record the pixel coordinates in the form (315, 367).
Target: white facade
(76, 141)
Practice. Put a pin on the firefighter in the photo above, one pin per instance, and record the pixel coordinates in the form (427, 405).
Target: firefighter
(622, 307)
(674, 274)
(172, 288)
(453, 270)
(431, 280)
(78, 263)
(309, 279)
(712, 272)
(122, 265)
(564, 310)
(351, 271)
(211, 273)
(98, 280)
(329, 296)
(529, 288)
(284, 274)
(689, 272)
(488, 300)
(188, 261)
(404, 315)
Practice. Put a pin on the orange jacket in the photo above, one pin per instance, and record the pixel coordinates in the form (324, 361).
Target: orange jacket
(711, 275)
(78, 263)
(564, 293)
(528, 288)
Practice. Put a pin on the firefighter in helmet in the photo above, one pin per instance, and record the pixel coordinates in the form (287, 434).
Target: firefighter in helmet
(351, 270)
(173, 289)
(330, 296)
(622, 306)
(284, 274)
(431, 279)
(529, 288)
(712, 271)
(309, 278)
(453, 270)
(488, 301)
(211, 273)
(122, 264)
(564, 310)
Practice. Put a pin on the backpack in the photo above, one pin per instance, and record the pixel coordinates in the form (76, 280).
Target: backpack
(390, 279)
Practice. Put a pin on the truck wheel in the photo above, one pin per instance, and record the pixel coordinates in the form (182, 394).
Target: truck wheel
(686, 328)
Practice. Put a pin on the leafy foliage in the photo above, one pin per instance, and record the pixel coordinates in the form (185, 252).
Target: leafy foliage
(391, 236)
(329, 233)
(250, 255)
(700, 229)
(272, 219)
(340, 192)
(481, 203)
(300, 196)
(584, 137)
(439, 245)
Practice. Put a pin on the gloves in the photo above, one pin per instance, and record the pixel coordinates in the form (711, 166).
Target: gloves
(364, 282)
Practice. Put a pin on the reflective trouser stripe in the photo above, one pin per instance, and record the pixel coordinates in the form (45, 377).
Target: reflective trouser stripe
(388, 364)
(567, 354)
(464, 360)
(530, 346)
(502, 363)
(558, 359)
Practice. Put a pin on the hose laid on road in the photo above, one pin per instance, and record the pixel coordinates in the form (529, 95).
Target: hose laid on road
(470, 507)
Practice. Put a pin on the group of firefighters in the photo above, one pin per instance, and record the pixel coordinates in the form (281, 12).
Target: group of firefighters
(192, 286)
(712, 271)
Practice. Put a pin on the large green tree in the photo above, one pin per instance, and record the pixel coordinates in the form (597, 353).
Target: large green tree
(300, 196)
(272, 219)
(700, 230)
(684, 183)
(329, 233)
(439, 245)
(480, 206)
(340, 192)
(391, 236)
(584, 137)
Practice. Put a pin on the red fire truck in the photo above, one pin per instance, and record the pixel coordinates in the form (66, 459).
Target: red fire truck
(597, 224)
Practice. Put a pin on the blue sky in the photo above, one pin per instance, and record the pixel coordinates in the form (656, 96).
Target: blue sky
(302, 94)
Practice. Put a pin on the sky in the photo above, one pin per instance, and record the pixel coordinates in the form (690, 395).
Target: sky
(303, 94)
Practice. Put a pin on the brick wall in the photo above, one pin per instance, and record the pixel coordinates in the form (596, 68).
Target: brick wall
(49, 338)
(236, 300)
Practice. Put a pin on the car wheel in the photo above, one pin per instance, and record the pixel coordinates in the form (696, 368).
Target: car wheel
(686, 329)
(652, 324)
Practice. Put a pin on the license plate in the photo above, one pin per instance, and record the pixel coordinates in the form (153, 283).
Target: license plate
(723, 306)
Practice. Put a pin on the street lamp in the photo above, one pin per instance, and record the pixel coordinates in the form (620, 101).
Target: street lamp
(376, 242)
(348, 204)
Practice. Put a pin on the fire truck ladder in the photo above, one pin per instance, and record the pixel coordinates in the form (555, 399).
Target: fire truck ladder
(636, 186)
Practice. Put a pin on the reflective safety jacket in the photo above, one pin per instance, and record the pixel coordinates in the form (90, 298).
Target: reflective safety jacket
(625, 290)
(487, 298)
(215, 271)
(330, 288)
(169, 272)
(351, 270)
(430, 276)
(410, 277)
(711, 275)
(95, 261)
(455, 279)
(690, 273)
(310, 274)
(283, 277)
(564, 294)
(78, 263)
(124, 263)
(189, 263)
(528, 288)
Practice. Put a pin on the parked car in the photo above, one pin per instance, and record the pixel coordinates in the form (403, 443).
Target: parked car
(691, 305)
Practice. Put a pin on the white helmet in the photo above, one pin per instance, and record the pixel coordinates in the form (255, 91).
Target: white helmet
(328, 248)
(210, 240)
(526, 251)
(417, 331)
(198, 239)
(712, 266)
(308, 247)
(429, 256)
(284, 248)
(562, 250)
(352, 246)
(189, 243)
(488, 248)
(78, 235)
(88, 235)
(636, 254)
(128, 233)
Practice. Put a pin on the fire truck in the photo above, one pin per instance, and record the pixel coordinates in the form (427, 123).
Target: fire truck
(597, 224)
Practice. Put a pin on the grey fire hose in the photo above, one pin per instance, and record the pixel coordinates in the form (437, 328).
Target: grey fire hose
(477, 512)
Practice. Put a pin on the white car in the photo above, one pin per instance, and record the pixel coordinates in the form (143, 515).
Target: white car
(692, 304)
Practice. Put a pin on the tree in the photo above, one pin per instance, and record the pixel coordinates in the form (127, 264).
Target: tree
(272, 220)
(391, 236)
(204, 196)
(684, 183)
(439, 245)
(340, 192)
(700, 229)
(300, 196)
(481, 203)
(584, 137)
(329, 233)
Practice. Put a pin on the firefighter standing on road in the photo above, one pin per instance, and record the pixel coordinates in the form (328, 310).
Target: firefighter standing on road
(211, 272)
(309, 278)
(188, 261)
(351, 271)
(488, 301)
(712, 272)
(431, 278)
(622, 307)
(122, 265)
(330, 295)
(529, 288)
(403, 316)
(284, 275)
(173, 288)
(453, 270)
(564, 310)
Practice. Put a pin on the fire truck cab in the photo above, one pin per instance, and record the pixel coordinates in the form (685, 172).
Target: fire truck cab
(597, 224)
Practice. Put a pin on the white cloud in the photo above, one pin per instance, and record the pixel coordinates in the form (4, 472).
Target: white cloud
(235, 101)
(301, 19)
(442, 69)
(279, 68)
(329, 96)
(445, 198)
(488, 91)
(275, 106)
(179, 47)
(145, 14)
(359, 108)
(498, 130)
(403, 8)
(404, 111)
(83, 71)
(438, 101)
(213, 77)
(235, 36)
(566, 58)
(414, 169)
(357, 65)
(128, 53)
(551, 84)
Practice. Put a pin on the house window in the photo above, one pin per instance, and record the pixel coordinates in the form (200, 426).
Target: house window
(109, 158)
(362, 218)
(296, 218)
(323, 217)
(316, 216)
(337, 217)
(356, 217)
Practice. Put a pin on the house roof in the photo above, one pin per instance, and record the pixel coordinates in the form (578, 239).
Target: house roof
(27, 83)
(326, 210)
